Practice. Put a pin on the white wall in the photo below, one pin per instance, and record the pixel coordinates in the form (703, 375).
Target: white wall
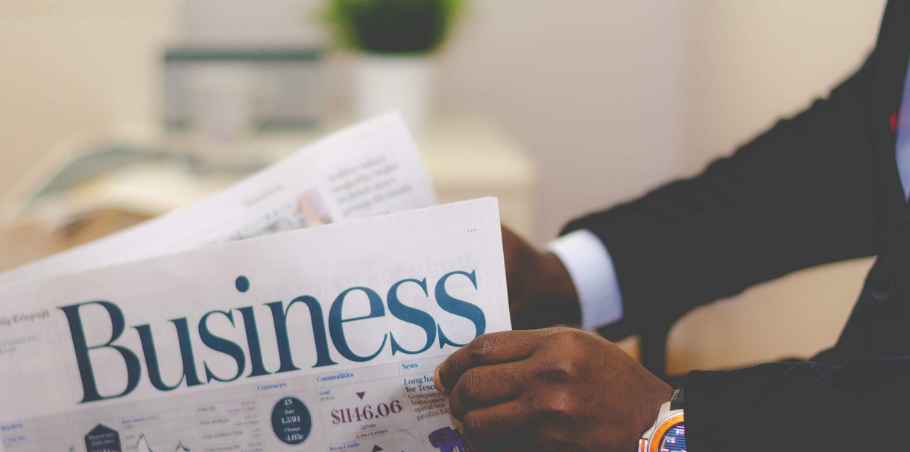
(67, 67)
(592, 88)
(752, 62)
(245, 22)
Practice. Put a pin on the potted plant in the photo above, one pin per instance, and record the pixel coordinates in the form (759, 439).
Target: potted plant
(395, 40)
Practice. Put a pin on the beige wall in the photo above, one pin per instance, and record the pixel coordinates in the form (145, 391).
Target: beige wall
(592, 88)
(751, 62)
(67, 67)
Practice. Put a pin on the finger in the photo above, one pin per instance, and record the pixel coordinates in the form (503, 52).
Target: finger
(494, 348)
(498, 427)
(486, 386)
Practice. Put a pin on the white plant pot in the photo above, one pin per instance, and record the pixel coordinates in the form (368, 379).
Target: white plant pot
(403, 83)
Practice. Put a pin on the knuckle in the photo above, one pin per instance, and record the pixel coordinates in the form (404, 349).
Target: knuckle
(472, 428)
(471, 384)
(479, 349)
(457, 407)
(471, 424)
(566, 337)
(559, 372)
(477, 431)
(557, 407)
(535, 404)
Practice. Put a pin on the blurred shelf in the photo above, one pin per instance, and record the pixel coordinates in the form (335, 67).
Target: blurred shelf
(465, 158)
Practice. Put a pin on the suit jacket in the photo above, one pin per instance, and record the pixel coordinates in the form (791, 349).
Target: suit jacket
(818, 188)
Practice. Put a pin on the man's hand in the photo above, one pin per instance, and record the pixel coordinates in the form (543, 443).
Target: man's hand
(550, 390)
(541, 292)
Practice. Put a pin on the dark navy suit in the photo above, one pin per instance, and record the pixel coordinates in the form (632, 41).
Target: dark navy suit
(818, 188)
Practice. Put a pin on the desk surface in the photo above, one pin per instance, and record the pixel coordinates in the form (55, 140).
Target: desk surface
(28, 242)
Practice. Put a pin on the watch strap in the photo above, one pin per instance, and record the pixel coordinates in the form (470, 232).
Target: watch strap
(676, 402)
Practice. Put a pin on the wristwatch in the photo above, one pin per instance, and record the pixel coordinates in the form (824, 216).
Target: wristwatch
(669, 431)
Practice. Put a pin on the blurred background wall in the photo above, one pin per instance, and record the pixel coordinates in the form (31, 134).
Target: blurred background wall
(68, 67)
(593, 89)
(610, 98)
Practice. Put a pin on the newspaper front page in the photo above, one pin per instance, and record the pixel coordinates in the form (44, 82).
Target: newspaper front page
(324, 339)
(372, 168)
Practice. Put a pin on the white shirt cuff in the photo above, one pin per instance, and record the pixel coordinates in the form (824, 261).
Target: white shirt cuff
(591, 268)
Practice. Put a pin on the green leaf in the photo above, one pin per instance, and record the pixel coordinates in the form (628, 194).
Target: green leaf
(392, 26)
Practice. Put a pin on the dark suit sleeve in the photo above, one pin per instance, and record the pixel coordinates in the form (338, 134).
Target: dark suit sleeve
(799, 195)
(860, 405)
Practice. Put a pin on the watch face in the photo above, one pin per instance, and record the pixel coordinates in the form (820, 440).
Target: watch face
(674, 439)
(669, 435)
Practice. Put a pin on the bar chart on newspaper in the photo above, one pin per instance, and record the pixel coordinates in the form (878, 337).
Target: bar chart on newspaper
(323, 339)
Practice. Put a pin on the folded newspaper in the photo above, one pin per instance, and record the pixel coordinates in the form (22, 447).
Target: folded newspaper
(322, 339)
(369, 169)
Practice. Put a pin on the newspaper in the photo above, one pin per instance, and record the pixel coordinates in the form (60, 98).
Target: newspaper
(324, 339)
(369, 169)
